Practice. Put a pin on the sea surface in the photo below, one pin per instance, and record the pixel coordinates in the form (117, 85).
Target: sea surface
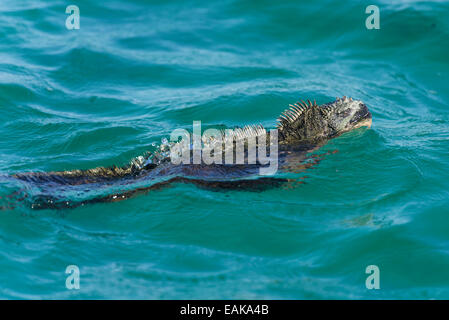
(136, 70)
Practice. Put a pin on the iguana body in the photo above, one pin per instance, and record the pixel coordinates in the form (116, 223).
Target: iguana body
(302, 128)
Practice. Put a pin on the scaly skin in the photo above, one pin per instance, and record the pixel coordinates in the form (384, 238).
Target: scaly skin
(301, 129)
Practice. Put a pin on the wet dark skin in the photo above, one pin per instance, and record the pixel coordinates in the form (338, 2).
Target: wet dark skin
(302, 128)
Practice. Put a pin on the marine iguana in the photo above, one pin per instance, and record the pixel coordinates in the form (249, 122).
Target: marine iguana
(302, 128)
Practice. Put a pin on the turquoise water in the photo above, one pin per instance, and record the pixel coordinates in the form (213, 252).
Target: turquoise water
(136, 70)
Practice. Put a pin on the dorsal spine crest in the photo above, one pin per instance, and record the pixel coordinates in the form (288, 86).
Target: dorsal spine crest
(294, 112)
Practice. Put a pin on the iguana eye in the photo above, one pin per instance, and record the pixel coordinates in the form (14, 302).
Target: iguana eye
(344, 113)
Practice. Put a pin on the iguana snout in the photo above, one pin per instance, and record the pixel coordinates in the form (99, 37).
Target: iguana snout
(349, 114)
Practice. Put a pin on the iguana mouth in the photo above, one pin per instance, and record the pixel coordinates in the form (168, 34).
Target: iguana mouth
(367, 122)
(362, 118)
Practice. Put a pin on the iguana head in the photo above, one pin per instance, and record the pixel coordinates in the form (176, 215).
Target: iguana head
(307, 122)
